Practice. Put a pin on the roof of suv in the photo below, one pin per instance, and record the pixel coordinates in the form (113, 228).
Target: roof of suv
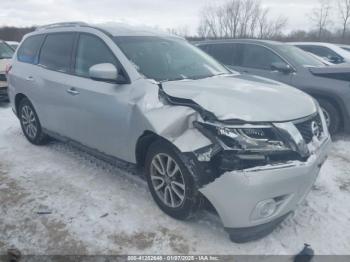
(114, 29)
(252, 41)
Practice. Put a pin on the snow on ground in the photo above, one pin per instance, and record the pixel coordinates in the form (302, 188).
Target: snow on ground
(97, 208)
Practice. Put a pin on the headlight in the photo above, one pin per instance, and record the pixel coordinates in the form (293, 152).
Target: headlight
(245, 137)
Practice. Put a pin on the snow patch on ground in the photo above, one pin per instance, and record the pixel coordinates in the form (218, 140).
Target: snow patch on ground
(98, 208)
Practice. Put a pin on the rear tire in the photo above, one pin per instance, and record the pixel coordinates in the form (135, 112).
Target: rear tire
(30, 123)
(173, 191)
(332, 115)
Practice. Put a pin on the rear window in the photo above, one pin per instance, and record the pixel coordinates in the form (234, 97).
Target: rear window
(28, 51)
(56, 51)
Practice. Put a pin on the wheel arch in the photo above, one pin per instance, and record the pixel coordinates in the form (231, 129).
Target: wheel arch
(18, 99)
(338, 104)
(142, 145)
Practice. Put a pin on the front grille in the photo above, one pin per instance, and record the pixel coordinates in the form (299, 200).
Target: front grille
(3, 77)
(305, 128)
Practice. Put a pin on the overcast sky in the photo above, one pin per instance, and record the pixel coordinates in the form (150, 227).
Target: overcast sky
(161, 13)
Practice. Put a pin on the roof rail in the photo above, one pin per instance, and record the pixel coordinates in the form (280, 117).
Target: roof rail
(63, 24)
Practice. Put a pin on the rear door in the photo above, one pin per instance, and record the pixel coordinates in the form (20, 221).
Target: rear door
(24, 75)
(52, 81)
(258, 60)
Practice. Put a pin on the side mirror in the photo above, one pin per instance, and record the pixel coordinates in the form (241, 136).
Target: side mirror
(335, 59)
(104, 72)
(282, 67)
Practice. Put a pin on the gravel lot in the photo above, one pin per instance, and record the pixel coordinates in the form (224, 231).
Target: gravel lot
(56, 199)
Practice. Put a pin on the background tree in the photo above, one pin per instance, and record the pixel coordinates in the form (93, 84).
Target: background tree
(320, 16)
(344, 11)
(239, 19)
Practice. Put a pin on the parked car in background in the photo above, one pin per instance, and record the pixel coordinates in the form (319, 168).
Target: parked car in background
(331, 52)
(13, 44)
(292, 66)
(322, 60)
(345, 47)
(6, 53)
(253, 147)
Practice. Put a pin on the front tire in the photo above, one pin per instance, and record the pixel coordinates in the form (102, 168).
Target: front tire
(331, 114)
(30, 123)
(171, 185)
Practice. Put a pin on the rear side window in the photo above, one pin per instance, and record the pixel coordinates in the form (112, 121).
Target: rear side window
(259, 57)
(28, 51)
(91, 51)
(56, 51)
(222, 52)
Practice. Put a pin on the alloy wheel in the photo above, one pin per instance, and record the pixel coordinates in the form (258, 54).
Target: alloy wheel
(167, 180)
(29, 121)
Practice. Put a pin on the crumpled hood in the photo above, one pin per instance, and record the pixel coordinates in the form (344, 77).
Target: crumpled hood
(244, 97)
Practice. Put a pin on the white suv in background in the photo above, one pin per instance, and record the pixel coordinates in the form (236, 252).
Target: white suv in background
(251, 146)
(331, 52)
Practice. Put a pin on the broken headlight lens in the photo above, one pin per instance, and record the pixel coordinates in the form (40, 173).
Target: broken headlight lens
(245, 137)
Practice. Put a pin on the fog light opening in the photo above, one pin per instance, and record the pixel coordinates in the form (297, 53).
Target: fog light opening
(266, 208)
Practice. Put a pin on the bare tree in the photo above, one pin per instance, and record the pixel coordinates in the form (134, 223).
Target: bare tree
(182, 31)
(239, 18)
(321, 16)
(233, 12)
(208, 24)
(344, 10)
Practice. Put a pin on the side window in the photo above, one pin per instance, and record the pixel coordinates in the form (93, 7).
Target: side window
(56, 51)
(205, 48)
(307, 48)
(91, 51)
(259, 57)
(222, 52)
(329, 54)
(325, 52)
(28, 51)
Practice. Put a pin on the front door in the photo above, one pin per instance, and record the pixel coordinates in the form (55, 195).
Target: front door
(258, 60)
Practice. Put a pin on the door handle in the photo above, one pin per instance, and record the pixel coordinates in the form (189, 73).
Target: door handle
(30, 78)
(72, 91)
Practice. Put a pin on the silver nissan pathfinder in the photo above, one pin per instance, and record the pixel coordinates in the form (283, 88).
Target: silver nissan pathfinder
(250, 146)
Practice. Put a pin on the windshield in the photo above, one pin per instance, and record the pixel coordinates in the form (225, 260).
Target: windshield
(299, 56)
(166, 59)
(5, 51)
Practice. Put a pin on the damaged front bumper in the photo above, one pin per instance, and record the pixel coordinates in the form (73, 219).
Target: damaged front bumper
(261, 196)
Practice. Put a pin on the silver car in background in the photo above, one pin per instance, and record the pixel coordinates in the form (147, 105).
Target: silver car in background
(250, 146)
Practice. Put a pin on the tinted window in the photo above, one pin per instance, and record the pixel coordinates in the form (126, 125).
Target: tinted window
(222, 52)
(298, 56)
(56, 51)
(91, 51)
(5, 51)
(259, 57)
(28, 51)
(323, 52)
